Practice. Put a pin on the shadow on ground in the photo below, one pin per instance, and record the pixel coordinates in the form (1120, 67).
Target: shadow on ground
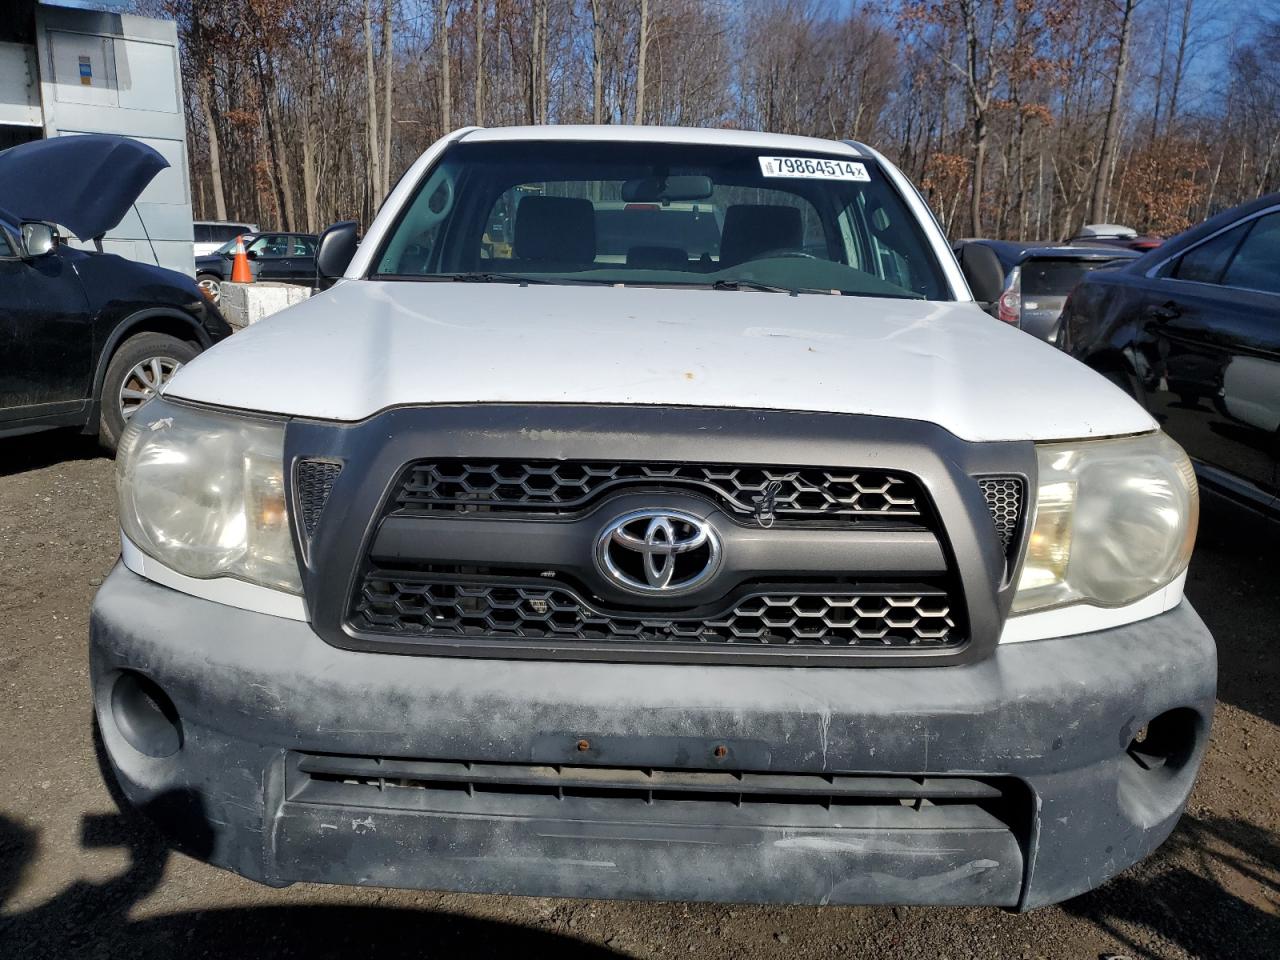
(38, 450)
(1189, 907)
(1232, 584)
(92, 919)
(96, 915)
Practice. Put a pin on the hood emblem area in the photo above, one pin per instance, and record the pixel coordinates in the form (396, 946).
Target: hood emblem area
(658, 552)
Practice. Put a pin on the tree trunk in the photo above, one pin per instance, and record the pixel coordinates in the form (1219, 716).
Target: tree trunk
(1111, 133)
(282, 163)
(387, 50)
(544, 83)
(597, 71)
(309, 177)
(446, 90)
(534, 46)
(480, 62)
(371, 82)
(1180, 61)
(979, 160)
(211, 129)
(640, 59)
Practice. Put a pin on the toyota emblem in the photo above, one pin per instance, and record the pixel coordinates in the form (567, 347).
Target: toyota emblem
(665, 552)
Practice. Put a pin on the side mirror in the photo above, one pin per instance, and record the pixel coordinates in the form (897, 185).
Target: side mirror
(251, 255)
(38, 239)
(334, 252)
(981, 268)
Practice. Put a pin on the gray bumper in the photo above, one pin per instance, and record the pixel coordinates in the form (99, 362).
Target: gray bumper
(253, 693)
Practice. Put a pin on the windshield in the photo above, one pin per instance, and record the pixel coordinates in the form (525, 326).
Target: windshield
(661, 215)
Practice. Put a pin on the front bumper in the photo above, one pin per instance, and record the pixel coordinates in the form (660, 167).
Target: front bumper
(1051, 719)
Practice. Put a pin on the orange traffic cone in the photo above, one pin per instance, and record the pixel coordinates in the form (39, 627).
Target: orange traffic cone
(240, 272)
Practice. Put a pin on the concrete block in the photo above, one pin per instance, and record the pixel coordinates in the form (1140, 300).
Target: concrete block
(246, 303)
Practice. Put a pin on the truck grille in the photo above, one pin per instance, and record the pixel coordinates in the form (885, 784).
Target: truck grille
(656, 534)
(314, 481)
(428, 607)
(1004, 500)
(785, 494)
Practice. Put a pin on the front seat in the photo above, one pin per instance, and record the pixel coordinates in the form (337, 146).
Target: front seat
(750, 229)
(556, 232)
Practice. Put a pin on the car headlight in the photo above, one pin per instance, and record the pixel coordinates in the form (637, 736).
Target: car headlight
(203, 493)
(1115, 520)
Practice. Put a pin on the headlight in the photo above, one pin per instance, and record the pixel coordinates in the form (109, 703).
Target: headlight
(203, 493)
(1115, 520)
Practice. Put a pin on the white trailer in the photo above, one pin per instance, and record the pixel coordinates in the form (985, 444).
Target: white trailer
(67, 71)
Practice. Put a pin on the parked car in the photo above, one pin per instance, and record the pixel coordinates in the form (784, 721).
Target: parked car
(1115, 235)
(212, 235)
(777, 574)
(85, 337)
(285, 257)
(1038, 278)
(1192, 330)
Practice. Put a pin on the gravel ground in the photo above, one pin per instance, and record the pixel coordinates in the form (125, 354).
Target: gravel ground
(77, 878)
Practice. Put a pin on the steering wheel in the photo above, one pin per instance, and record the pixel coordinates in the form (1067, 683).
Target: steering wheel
(787, 253)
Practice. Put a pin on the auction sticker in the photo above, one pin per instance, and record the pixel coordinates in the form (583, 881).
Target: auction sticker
(812, 168)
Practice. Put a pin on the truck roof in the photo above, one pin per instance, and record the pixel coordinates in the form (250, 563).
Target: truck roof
(621, 133)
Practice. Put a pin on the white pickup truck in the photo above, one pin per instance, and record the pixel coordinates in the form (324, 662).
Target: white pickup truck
(653, 513)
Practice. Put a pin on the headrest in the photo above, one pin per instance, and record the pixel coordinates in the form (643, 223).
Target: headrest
(751, 229)
(561, 229)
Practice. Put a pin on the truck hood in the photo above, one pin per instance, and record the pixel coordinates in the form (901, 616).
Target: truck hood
(368, 345)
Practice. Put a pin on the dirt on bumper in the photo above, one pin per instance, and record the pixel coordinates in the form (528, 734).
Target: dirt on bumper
(1051, 723)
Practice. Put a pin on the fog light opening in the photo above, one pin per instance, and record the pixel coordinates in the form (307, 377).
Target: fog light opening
(145, 716)
(1166, 742)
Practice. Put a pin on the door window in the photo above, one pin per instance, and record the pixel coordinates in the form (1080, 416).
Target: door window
(271, 247)
(1256, 265)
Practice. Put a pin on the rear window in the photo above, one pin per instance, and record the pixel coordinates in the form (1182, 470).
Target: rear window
(229, 231)
(694, 230)
(1056, 278)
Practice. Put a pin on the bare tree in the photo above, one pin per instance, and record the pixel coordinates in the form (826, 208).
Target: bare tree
(1111, 131)
(597, 65)
(387, 54)
(446, 94)
(371, 118)
(641, 56)
(479, 41)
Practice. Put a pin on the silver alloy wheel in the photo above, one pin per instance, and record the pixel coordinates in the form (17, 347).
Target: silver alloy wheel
(144, 381)
(213, 287)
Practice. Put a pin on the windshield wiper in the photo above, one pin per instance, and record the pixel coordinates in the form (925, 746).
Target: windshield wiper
(764, 287)
(520, 278)
(492, 278)
(749, 285)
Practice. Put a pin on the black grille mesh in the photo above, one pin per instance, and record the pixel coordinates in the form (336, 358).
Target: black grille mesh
(425, 607)
(314, 481)
(1004, 500)
(767, 493)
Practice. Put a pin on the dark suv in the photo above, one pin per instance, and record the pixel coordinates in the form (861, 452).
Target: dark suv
(1192, 330)
(85, 337)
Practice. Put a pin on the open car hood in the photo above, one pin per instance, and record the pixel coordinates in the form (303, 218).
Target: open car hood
(86, 183)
